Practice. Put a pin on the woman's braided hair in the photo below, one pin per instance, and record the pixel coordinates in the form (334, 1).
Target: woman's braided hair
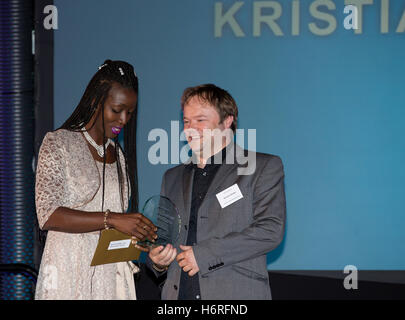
(96, 93)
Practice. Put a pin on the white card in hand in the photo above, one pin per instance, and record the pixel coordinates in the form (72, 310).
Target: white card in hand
(119, 244)
(229, 196)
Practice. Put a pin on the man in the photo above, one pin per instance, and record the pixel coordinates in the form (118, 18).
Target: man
(232, 215)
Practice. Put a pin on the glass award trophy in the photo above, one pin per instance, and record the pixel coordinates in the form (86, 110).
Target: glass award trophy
(165, 216)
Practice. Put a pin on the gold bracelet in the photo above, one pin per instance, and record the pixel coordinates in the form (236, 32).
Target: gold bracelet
(154, 266)
(105, 219)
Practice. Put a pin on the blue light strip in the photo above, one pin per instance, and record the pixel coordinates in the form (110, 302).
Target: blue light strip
(17, 207)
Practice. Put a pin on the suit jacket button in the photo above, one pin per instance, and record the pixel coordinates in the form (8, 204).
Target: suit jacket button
(175, 287)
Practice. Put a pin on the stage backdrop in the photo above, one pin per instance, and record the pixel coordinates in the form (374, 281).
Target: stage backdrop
(328, 100)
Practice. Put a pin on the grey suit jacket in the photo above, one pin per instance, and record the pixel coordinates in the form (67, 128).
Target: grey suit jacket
(232, 242)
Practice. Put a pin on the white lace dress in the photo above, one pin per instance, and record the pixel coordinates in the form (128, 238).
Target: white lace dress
(65, 271)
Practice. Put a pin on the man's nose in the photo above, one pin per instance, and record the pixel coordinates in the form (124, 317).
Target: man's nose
(191, 131)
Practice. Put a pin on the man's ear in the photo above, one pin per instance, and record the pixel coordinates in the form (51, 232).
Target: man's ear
(228, 122)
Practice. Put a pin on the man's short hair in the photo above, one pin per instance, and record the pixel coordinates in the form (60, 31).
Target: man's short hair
(219, 98)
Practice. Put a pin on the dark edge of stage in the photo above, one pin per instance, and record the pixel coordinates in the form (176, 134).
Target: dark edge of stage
(308, 285)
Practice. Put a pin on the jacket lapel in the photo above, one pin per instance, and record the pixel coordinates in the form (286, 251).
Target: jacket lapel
(188, 176)
(224, 170)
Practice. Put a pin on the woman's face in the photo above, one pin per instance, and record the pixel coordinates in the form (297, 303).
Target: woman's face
(118, 108)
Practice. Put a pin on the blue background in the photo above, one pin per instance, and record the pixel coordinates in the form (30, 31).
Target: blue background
(331, 107)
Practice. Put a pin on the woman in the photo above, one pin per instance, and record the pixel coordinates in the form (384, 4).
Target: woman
(84, 183)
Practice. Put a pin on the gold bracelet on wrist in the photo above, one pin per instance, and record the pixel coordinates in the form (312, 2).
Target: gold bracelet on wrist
(158, 268)
(105, 219)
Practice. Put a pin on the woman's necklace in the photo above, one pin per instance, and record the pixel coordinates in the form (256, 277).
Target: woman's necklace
(99, 149)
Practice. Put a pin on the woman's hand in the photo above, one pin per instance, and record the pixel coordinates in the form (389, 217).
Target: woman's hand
(134, 224)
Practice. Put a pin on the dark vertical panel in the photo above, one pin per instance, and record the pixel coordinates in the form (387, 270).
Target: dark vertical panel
(43, 98)
(17, 209)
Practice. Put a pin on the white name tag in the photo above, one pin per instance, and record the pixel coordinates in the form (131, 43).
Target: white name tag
(120, 244)
(229, 196)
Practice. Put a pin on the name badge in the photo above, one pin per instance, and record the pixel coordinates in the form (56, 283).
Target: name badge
(120, 244)
(229, 196)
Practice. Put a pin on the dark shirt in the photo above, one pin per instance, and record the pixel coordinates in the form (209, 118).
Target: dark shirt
(190, 286)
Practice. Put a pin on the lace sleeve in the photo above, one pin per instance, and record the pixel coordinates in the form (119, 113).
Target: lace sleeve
(50, 179)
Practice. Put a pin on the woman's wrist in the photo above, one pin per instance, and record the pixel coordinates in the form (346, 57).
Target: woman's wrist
(106, 214)
(109, 219)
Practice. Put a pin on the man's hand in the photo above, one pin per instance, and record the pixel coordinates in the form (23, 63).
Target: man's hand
(187, 260)
(163, 256)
